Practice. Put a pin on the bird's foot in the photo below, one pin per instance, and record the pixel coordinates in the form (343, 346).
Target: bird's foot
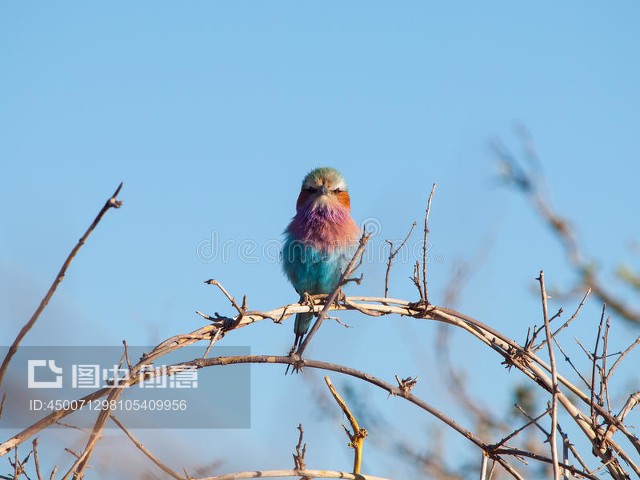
(307, 299)
(314, 299)
(296, 364)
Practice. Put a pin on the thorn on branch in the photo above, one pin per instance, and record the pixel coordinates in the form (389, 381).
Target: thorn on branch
(296, 361)
(406, 384)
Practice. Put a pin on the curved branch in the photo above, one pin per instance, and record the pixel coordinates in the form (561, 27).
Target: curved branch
(491, 450)
(514, 355)
(292, 473)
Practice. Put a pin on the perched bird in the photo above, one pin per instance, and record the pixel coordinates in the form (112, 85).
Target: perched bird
(320, 240)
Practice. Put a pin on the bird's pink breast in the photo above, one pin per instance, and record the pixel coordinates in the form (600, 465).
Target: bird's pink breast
(324, 228)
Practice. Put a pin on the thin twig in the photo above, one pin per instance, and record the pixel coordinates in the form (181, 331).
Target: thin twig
(622, 355)
(573, 367)
(238, 308)
(566, 324)
(425, 285)
(604, 387)
(554, 380)
(594, 360)
(113, 202)
(35, 457)
(392, 255)
(532, 420)
(416, 280)
(126, 354)
(146, 452)
(301, 449)
(16, 464)
(523, 427)
(567, 443)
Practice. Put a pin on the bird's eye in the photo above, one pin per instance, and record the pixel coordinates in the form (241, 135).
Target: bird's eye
(337, 190)
(308, 189)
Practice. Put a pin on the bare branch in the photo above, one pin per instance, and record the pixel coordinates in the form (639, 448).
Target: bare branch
(145, 451)
(392, 255)
(359, 434)
(307, 474)
(36, 459)
(425, 285)
(554, 380)
(301, 450)
(239, 309)
(112, 202)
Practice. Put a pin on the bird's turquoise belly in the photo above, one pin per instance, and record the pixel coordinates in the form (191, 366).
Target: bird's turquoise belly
(311, 270)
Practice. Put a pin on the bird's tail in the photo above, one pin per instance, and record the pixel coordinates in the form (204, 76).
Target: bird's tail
(301, 326)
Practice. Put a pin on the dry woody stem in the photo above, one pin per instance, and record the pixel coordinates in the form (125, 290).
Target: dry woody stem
(112, 202)
(356, 439)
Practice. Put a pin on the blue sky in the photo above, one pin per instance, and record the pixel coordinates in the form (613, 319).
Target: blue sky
(212, 112)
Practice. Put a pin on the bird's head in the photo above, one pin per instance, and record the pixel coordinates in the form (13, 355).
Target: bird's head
(323, 187)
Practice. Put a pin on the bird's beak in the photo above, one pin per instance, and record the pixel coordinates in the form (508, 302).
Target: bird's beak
(324, 190)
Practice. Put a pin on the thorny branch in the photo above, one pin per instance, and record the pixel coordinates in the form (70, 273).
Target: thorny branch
(513, 354)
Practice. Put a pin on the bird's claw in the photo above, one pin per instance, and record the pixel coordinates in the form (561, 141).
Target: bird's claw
(297, 362)
(307, 298)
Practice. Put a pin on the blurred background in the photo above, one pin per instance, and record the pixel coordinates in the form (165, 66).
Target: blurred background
(211, 113)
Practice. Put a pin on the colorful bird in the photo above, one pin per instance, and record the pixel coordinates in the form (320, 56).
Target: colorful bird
(320, 239)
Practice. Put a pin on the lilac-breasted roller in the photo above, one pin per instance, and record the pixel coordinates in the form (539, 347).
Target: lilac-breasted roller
(320, 239)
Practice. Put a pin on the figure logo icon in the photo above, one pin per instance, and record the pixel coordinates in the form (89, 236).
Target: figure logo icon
(52, 368)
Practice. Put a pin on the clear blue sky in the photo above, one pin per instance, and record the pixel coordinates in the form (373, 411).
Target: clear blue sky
(212, 112)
